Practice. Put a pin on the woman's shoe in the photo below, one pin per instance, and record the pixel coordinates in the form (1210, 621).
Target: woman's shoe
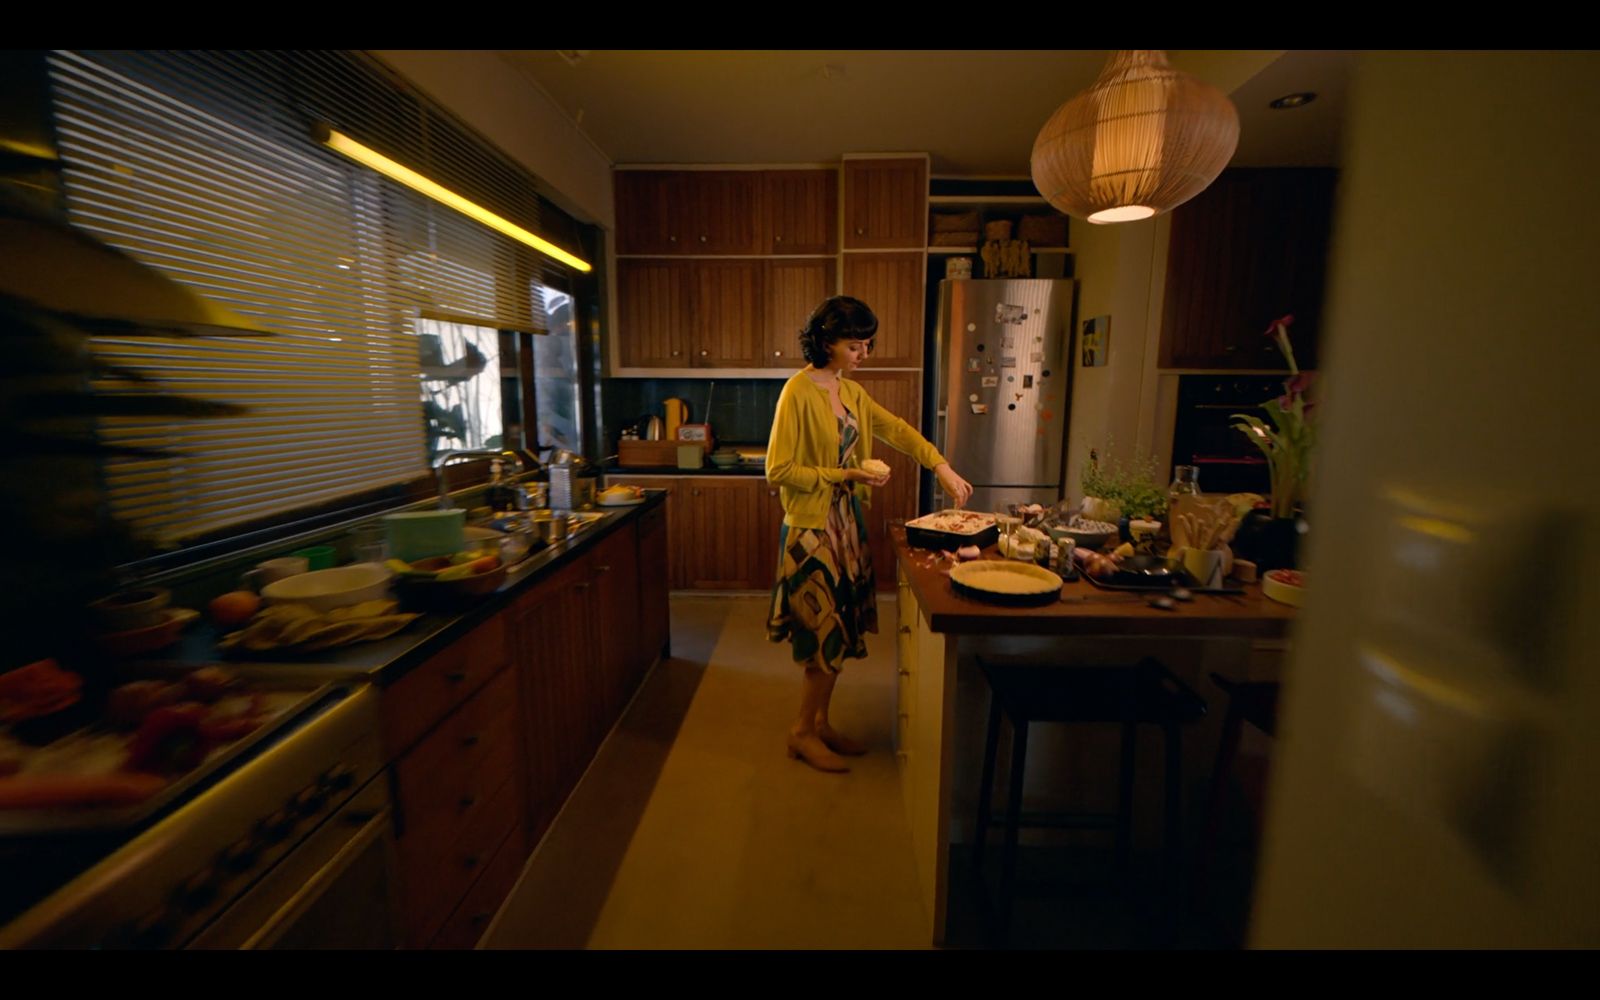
(815, 752)
(840, 743)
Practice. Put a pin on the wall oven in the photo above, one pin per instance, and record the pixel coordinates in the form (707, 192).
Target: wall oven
(1204, 436)
(294, 849)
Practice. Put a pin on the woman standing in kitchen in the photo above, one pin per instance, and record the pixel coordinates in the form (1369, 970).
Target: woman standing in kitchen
(820, 458)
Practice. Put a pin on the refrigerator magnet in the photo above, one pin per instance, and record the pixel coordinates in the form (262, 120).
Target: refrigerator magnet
(1037, 357)
(990, 381)
(972, 398)
(1008, 342)
(980, 408)
(1008, 362)
(973, 364)
(1027, 381)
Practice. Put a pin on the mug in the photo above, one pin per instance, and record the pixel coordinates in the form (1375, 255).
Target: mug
(317, 556)
(274, 570)
(1204, 565)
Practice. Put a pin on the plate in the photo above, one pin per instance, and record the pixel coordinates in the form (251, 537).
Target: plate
(150, 638)
(620, 503)
(1006, 581)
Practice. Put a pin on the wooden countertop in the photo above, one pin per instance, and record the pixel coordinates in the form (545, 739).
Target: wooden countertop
(1085, 609)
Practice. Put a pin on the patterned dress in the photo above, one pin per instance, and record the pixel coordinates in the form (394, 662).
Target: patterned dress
(825, 598)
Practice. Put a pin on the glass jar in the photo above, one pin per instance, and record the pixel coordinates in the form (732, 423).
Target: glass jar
(1185, 482)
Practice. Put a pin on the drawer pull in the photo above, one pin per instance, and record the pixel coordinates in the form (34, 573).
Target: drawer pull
(456, 676)
(468, 801)
(777, 239)
(471, 739)
(904, 673)
(472, 860)
(905, 630)
(481, 918)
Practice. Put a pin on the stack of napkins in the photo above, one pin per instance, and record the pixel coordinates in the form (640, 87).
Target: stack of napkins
(297, 628)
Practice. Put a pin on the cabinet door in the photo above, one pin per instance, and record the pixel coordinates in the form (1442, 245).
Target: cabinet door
(652, 217)
(802, 209)
(794, 289)
(653, 311)
(1248, 249)
(655, 619)
(727, 313)
(615, 605)
(724, 523)
(664, 562)
(554, 644)
(766, 541)
(719, 212)
(885, 204)
(891, 284)
(897, 393)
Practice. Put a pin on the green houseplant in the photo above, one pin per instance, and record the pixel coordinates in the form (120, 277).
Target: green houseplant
(1133, 488)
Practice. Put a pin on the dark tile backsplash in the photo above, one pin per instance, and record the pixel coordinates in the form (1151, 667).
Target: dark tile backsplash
(741, 408)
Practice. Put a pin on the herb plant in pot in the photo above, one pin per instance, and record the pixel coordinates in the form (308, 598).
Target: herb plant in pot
(1121, 492)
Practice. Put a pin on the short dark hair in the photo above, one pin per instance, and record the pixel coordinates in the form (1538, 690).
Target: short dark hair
(838, 318)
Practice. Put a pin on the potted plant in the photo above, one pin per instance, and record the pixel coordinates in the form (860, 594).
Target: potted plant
(1287, 444)
(1113, 490)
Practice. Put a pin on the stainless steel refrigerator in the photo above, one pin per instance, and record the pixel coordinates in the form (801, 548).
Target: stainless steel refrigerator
(1002, 371)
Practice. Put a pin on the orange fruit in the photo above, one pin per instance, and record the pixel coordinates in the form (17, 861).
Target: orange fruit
(234, 608)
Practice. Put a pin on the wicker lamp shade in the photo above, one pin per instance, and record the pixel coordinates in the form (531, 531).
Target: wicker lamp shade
(1142, 140)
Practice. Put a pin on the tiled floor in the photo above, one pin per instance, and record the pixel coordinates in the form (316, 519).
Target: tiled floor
(693, 829)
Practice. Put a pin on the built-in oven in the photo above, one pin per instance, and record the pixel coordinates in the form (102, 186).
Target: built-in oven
(1204, 435)
(293, 849)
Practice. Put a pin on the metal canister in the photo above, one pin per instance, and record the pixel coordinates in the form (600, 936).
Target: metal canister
(561, 477)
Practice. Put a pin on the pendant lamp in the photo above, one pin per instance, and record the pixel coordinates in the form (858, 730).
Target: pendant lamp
(1144, 139)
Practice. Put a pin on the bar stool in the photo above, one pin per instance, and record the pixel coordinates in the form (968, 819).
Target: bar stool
(1146, 693)
(1249, 702)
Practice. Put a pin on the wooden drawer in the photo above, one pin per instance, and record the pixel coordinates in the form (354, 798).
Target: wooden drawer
(427, 694)
(466, 925)
(448, 780)
(436, 882)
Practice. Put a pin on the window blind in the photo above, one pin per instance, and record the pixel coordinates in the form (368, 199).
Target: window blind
(202, 165)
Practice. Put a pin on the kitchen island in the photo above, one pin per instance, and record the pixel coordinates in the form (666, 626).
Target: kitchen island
(942, 697)
(399, 808)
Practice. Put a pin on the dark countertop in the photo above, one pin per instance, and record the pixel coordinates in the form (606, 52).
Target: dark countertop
(387, 660)
(1085, 609)
(613, 471)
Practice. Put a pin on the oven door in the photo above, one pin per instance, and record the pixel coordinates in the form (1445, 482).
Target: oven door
(335, 890)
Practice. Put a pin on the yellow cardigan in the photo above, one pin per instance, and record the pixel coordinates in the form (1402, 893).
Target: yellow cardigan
(803, 450)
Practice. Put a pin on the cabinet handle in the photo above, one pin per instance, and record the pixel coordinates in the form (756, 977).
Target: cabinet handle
(704, 353)
(777, 354)
(702, 238)
(905, 630)
(672, 239)
(456, 676)
(860, 231)
(777, 239)
(468, 801)
(471, 739)
(472, 860)
(904, 673)
(1230, 348)
(676, 353)
(598, 570)
(772, 493)
(479, 919)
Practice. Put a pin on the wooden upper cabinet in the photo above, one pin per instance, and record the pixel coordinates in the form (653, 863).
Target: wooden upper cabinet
(718, 212)
(885, 204)
(727, 313)
(802, 211)
(1250, 248)
(654, 312)
(794, 290)
(645, 220)
(891, 286)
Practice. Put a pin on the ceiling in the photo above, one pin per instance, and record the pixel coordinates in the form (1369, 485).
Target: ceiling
(975, 111)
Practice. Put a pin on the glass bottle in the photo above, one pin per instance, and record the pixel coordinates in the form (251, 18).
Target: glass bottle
(1185, 482)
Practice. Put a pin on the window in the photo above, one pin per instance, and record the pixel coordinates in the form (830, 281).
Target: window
(202, 165)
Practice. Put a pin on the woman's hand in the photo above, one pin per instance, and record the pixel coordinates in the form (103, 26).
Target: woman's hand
(863, 476)
(959, 489)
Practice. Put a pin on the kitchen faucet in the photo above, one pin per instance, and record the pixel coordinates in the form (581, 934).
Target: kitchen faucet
(449, 457)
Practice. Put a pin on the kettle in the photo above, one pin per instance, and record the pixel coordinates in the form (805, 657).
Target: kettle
(651, 428)
(677, 414)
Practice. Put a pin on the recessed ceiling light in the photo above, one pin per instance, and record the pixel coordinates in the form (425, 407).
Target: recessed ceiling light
(1294, 100)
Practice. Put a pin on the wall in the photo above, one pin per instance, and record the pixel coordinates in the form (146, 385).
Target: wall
(1125, 403)
(510, 110)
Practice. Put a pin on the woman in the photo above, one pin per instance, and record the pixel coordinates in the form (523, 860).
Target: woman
(824, 599)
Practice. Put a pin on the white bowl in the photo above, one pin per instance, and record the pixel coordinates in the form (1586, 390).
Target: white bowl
(326, 589)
